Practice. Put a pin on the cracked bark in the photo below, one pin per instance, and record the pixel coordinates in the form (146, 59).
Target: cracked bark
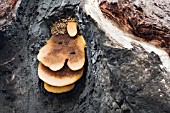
(117, 79)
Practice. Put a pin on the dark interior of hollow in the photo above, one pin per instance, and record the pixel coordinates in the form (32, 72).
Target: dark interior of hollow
(1, 40)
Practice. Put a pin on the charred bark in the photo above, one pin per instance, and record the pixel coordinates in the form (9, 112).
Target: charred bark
(116, 80)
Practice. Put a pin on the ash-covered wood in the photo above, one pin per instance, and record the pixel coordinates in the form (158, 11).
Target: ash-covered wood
(116, 80)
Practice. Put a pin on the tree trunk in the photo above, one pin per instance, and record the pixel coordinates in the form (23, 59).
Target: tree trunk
(122, 74)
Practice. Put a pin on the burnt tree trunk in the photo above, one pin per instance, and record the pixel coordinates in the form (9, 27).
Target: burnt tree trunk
(116, 80)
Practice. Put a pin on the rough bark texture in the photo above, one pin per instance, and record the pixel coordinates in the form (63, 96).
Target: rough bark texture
(149, 20)
(7, 8)
(115, 81)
